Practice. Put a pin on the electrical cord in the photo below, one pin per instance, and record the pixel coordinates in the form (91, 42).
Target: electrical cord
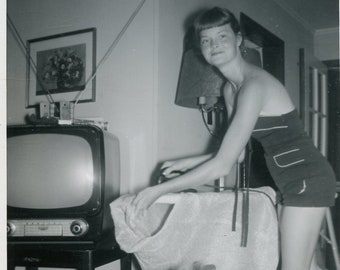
(29, 57)
(109, 51)
(203, 111)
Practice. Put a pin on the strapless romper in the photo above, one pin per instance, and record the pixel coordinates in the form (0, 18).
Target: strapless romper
(302, 174)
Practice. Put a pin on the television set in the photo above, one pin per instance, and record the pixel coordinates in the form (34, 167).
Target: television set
(60, 182)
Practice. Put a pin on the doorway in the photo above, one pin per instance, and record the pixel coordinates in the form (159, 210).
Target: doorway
(334, 114)
(333, 72)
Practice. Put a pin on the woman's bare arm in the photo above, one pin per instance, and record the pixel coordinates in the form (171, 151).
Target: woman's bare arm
(183, 164)
(250, 103)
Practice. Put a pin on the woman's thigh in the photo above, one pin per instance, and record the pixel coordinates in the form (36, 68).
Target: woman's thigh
(300, 228)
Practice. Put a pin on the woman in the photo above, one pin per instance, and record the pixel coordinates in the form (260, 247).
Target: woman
(260, 107)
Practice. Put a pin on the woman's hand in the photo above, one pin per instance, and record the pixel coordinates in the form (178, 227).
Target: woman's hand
(145, 198)
(175, 167)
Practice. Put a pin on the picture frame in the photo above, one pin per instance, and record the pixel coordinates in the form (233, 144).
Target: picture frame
(61, 67)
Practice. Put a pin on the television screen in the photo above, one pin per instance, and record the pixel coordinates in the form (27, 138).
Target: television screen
(61, 180)
(49, 171)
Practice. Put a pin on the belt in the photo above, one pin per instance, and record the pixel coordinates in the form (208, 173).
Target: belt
(245, 196)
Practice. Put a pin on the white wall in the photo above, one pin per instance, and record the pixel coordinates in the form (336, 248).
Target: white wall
(125, 89)
(326, 42)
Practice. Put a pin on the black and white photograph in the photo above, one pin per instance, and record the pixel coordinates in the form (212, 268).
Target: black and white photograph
(170, 135)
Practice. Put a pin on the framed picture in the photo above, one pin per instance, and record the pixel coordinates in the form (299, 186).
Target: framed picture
(61, 67)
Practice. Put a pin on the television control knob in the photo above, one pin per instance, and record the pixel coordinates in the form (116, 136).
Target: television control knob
(79, 227)
(10, 228)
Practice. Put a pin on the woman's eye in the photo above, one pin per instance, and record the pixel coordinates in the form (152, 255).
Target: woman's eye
(222, 36)
(204, 42)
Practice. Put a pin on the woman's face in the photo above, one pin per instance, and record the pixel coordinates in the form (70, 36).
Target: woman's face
(219, 44)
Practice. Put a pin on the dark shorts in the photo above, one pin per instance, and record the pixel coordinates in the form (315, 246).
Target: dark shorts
(303, 176)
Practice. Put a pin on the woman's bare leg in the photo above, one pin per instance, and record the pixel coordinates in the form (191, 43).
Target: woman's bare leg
(300, 228)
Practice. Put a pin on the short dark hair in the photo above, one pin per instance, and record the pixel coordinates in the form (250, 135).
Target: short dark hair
(213, 18)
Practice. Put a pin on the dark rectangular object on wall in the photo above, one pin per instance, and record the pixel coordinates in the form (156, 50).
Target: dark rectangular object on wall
(273, 46)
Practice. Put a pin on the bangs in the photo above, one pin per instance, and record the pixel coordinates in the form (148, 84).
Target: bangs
(215, 17)
(209, 20)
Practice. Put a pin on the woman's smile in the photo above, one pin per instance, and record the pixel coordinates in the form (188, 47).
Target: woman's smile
(219, 44)
(214, 53)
